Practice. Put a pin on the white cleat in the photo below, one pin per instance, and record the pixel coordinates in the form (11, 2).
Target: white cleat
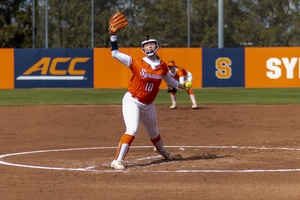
(167, 155)
(117, 164)
(194, 106)
(155, 149)
(173, 106)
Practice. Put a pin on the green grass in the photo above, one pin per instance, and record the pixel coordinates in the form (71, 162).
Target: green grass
(241, 96)
(114, 96)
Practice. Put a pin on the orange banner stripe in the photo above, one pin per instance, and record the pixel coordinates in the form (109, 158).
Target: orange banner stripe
(6, 68)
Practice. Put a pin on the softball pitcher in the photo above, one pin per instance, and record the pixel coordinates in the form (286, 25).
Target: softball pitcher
(138, 103)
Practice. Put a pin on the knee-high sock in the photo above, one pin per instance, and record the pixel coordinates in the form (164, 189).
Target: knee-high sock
(173, 97)
(124, 146)
(157, 142)
(192, 96)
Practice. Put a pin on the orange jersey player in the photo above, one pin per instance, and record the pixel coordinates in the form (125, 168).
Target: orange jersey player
(181, 75)
(137, 103)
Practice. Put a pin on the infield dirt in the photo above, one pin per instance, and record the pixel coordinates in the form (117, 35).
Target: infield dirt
(228, 152)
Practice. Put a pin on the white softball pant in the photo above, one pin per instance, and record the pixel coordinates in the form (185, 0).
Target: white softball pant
(134, 112)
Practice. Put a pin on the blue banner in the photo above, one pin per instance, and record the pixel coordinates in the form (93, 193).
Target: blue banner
(223, 67)
(53, 68)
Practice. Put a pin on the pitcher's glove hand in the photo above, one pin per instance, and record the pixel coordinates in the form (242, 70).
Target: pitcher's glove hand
(116, 22)
(171, 89)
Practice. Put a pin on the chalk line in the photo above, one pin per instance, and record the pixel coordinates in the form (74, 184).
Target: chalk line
(91, 168)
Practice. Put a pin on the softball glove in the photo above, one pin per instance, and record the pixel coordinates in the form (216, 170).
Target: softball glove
(171, 89)
(116, 22)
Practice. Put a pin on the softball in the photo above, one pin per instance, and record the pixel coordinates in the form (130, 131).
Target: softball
(188, 84)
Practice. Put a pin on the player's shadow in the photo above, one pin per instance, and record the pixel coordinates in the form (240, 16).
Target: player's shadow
(189, 108)
(179, 158)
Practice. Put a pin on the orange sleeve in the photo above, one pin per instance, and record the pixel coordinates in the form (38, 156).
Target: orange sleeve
(181, 72)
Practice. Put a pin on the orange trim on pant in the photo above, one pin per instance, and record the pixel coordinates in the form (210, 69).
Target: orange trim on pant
(155, 140)
(190, 91)
(125, 139)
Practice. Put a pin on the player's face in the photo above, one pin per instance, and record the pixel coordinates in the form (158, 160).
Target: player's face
(172, 69)
(149, 47)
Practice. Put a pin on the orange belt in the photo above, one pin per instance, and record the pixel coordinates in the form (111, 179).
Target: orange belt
(142, 101)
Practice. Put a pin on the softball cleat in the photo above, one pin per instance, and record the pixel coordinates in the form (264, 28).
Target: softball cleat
(117, 164)
(173, 106)
(167, 155)
(194, 106)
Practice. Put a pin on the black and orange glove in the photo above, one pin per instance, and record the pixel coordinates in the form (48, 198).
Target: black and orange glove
(171, 89)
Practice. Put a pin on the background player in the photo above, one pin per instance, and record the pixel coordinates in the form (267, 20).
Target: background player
(181, 75)
(137, 103)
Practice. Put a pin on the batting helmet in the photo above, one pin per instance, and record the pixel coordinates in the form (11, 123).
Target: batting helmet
(150, 52)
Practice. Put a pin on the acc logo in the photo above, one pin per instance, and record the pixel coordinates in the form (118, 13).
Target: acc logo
(45, 66)
(223, 66)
